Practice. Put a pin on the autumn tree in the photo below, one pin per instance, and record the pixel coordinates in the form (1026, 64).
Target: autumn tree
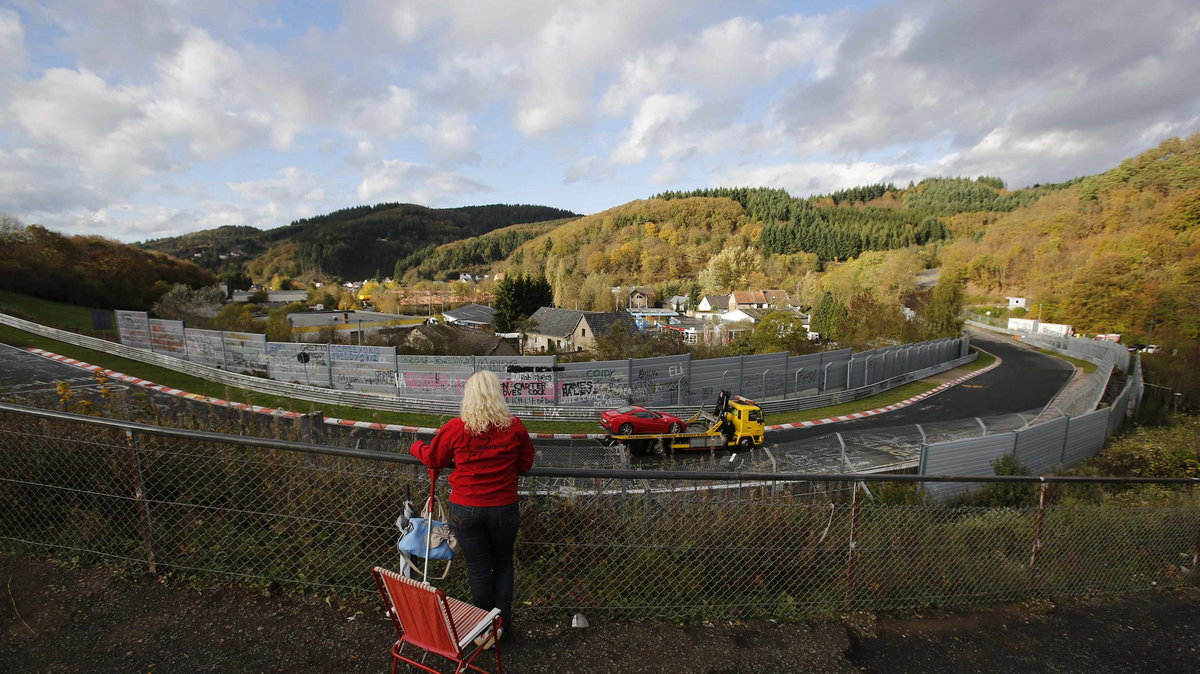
(781, 331)
(828, 314)
(943, 317)
(730, 269)
(182, 303)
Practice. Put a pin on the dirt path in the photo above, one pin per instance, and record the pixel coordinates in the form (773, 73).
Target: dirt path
(57, 619)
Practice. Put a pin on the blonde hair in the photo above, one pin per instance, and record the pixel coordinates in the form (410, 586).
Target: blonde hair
(483, 405)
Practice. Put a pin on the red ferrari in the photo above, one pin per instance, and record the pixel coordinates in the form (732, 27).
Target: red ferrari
(634, 420)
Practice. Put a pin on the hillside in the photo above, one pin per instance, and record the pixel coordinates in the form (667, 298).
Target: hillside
(669, 241)
(1115, 252)
(473, 255)
(352, 243)
(89, 271)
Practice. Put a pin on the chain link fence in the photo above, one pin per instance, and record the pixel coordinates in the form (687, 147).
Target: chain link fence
(618, 545)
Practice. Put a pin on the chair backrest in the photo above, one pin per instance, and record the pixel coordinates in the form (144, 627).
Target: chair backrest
(419, 612)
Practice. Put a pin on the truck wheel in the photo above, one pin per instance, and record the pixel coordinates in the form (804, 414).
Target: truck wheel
(656, 447)
(626, 429)
(746, 444)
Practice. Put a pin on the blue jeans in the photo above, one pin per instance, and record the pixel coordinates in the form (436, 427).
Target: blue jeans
(487, 535)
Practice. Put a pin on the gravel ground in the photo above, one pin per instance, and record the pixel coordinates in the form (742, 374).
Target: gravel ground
(56, 618)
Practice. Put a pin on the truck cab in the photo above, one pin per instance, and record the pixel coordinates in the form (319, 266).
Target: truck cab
(742, 421)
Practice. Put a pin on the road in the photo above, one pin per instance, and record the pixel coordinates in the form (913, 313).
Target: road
(1001, 400)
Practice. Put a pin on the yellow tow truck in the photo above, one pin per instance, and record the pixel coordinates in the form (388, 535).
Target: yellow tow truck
(734, 422)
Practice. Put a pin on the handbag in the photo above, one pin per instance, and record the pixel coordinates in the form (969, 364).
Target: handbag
(423, 536)
(442, 542)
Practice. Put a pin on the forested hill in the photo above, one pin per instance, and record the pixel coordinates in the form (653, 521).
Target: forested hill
(670, 240)
(352, 243)
(1116, 252)
(474, 255)
(89, 271)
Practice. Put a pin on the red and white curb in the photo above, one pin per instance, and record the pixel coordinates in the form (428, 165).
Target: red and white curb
(889, 408)
(420, 430)
(147, 384)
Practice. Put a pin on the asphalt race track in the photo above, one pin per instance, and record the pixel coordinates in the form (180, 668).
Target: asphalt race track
(1027, 380)
(1000, 400)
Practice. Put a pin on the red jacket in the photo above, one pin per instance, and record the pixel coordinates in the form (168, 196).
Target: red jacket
(485, 466)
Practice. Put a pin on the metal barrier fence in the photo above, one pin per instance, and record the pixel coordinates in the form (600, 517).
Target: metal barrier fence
(534, 380)
(615, 544)
(1068, 431)
(376, 378)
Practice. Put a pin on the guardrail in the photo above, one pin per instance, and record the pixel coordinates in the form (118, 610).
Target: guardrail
(377, 401)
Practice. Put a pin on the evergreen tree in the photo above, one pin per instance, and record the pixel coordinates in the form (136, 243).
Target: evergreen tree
(517, 298)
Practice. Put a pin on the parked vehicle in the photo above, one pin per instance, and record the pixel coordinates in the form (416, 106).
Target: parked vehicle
(734, 422)
(634, 420)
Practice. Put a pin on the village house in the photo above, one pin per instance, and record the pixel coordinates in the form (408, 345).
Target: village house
(677, 303)
(711, 306)
(641, 297)
(471, 315)
(457, 340)
(565, 330)
(747, 299)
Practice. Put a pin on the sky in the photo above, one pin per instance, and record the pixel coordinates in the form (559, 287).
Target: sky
(137, 119)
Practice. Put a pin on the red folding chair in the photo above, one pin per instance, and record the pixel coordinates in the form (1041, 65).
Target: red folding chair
(434, 623)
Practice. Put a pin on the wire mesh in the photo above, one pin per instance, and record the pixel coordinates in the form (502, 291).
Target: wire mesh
(616, 548)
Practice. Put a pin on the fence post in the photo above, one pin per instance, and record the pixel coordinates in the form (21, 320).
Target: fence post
(554, 377)
(1037, 538)
(852, 559)
(139, 496)
(1062, 457)
(629, 380)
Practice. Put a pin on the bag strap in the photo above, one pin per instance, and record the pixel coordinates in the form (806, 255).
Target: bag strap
(433, 476)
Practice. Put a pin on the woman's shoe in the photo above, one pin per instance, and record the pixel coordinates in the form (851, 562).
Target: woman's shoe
(487, 640)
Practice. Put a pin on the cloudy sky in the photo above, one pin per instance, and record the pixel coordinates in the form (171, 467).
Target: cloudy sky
(138, 119)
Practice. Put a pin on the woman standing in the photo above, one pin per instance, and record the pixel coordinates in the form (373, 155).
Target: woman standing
(488, 448)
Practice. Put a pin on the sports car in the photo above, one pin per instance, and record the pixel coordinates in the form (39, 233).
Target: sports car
(634, 420)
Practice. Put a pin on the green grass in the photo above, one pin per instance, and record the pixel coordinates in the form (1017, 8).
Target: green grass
(880, 399)
(48, 312)
(79, 319)
(1077, 362)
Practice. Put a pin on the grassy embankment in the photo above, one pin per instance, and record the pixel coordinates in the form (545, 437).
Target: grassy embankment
(79, 319)
(1077, 362)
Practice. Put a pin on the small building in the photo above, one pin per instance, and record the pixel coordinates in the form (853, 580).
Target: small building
(747, 299)
(744, 315)
(1016, 303)
(273, 296)
(779, 299)
(677, 303)
(573, 330)
(315, 326)
(646, 318)
(457, 340)
(641, 297)
(478, 316)
(713, 304)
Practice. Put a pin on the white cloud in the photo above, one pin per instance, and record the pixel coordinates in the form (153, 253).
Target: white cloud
(292, 194)
(806, 178)
(452, 140)
(657, 116)
(12, 47)
(589, 169)
(399, 180)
